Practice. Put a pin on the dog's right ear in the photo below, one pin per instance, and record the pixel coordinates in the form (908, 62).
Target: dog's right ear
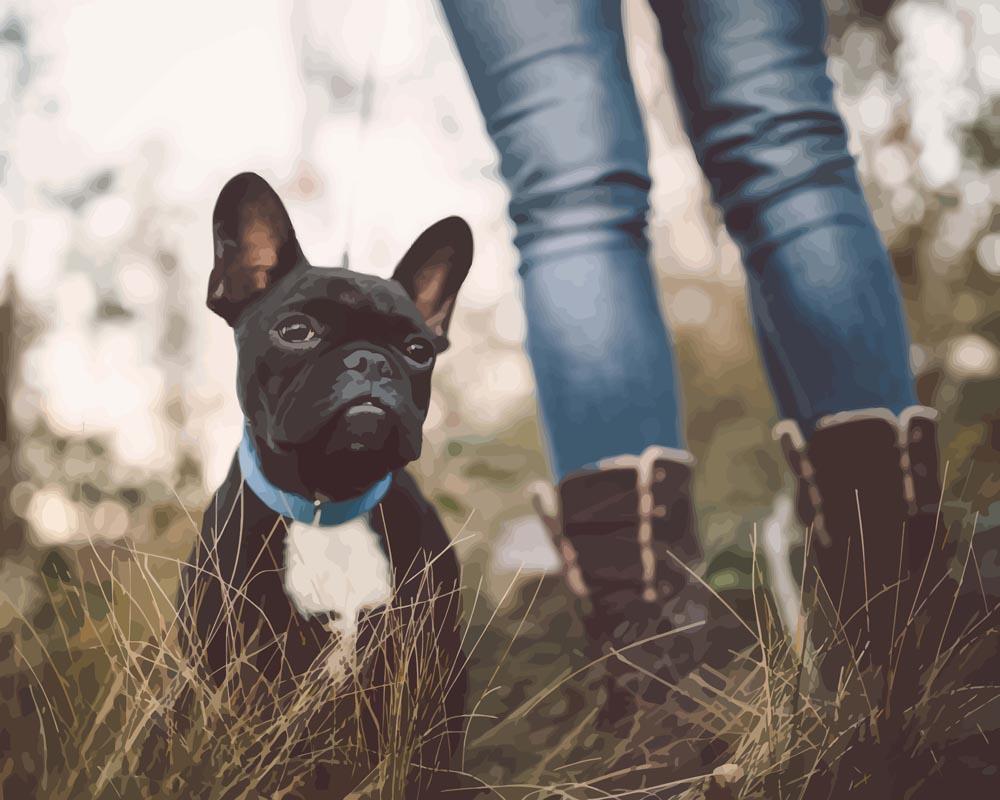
(255, 244)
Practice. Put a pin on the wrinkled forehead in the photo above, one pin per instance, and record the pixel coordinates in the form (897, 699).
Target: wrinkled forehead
(352, 289)
(325, 291)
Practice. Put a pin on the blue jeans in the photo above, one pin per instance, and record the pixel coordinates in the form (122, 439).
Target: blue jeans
(553, 84)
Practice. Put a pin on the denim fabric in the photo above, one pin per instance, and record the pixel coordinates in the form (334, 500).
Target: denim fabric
(552, 80)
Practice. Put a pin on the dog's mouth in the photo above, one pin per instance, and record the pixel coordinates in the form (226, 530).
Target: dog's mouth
(362, 425)
(366, 407)
(363, 415)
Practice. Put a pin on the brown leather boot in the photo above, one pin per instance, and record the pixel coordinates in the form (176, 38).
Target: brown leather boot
(869, 494)
(626, 531)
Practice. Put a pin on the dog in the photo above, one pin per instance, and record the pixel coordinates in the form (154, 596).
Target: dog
(317, 528)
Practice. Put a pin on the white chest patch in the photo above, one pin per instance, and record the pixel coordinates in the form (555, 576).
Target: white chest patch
(340, 569)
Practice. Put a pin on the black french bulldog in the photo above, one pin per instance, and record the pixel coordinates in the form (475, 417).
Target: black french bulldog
(317, 528)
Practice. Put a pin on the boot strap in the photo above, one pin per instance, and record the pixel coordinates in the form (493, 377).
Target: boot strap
(810, 502)
(645, 471)
(916, 429)
(546, 505)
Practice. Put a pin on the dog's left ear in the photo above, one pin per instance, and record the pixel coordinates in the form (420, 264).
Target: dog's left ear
(433, 270)
(255, 244)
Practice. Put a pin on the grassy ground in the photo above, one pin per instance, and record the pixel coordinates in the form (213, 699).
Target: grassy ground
(90, 685)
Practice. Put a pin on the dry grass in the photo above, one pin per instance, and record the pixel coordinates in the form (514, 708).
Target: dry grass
(926, 724)
(103, 704)
(110, 707)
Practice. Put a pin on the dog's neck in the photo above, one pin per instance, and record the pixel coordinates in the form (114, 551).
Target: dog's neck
(298, 507)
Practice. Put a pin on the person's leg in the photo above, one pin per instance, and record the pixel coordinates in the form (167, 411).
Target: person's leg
(759, 107)
(552, 79)
(553, 83)
(758, 104)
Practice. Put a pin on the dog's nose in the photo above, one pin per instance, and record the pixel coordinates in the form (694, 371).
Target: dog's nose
(369, 364)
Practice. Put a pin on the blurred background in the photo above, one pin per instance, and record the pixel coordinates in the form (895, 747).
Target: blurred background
(120, 121)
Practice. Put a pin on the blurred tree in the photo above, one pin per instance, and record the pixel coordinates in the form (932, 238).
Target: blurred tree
(11, 526)
(92, 397)
(15, 71)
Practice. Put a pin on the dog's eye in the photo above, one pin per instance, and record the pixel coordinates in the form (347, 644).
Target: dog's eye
(419, 350)
(296, 331)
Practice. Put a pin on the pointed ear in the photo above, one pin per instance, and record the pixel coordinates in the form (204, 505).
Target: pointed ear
(433, 269)
(255, 244)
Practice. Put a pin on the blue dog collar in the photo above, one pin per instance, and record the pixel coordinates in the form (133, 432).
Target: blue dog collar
(299, 508)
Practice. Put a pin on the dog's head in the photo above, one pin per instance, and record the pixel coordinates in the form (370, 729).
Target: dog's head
(335, 366)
